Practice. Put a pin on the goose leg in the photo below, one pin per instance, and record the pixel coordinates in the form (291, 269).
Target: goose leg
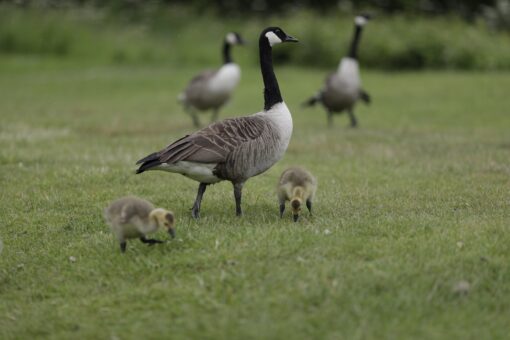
(309, 205)
(194, 116)
(195, 211)
(353, 119)
(330, 118)
(123, 245)
(148, 241)
(238, 188)
(215, 114)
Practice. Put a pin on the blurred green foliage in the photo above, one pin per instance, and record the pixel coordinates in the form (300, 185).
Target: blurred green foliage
(466, 8)
(176, 34)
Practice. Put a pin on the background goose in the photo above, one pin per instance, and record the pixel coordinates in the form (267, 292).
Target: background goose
(238, 148)
(133, 217)
(342, 89)
(211, 89)
(296, 185)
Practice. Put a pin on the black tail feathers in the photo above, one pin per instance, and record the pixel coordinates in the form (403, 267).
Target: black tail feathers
(312, 101)
(365, 97)
(148, 162)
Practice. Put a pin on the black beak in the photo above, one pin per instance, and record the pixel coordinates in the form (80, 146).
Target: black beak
(295, 217)
(290, 39)
(241, 41)
(171, 232)
(367, 16)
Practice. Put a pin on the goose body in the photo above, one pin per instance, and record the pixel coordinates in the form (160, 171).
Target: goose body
(342, 88)
(132, 217)
(234, 149)
(211, 89)
(296, 185)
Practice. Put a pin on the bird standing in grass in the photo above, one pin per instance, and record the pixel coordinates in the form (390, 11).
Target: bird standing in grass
(233, 149)
(296, 185)
(342, 89)
(211, 89)
(132, 217)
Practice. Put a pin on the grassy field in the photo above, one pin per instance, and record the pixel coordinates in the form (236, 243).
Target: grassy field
(410, 204)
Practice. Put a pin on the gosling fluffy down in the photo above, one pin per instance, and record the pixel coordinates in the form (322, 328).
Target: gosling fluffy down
(132, 217)
(296, 185)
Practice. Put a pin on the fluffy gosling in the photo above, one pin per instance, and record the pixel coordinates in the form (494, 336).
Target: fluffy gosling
(132, 217)
(296, 185)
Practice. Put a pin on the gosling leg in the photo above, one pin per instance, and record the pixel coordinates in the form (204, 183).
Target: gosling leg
(309, 206)
(282, 209)
(149, 242)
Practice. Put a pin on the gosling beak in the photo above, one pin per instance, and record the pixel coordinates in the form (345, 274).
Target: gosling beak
(171, 231)
(290, 39)
(295, 217)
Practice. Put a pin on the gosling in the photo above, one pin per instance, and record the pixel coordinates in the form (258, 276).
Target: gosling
(296, 185)
(132, 217)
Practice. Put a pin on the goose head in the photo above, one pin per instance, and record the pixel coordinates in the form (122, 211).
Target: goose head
(362, 19)
(296, 208)
(234, 38)
(164, 219)
(275, 35)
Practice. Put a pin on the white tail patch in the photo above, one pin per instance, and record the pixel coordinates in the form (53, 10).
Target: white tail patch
(273, 39)
(201, 172)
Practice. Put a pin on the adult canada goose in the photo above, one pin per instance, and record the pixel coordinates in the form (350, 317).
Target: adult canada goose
(238, 148)
(296, 185)
(211, 89)
(342, 89)
(133, 217)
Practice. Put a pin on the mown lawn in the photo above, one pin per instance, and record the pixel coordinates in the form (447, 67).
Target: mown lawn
(410, 204)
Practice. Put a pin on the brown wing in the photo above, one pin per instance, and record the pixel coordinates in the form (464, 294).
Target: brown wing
(212, 144)
(198, 82)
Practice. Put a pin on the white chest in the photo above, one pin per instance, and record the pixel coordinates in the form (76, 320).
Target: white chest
(226, 79)
(348, 75)
(280, 116)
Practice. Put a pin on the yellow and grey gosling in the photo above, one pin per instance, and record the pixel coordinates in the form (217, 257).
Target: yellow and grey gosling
(133, 217)
(296, 185)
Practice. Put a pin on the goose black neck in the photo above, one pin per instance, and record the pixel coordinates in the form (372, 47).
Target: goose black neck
(272, 93)
(353, 50)
(227, 58)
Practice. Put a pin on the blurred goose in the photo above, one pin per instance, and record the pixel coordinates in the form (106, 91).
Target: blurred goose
(296, 185)
(133, 217)
(238, 148)
(342, 89)
(212, 89)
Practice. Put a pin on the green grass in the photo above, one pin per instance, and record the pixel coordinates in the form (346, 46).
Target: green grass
(414, 201)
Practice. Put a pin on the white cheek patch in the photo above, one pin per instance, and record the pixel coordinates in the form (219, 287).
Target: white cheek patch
(273, 38)
(360, 21)
(231, 38)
